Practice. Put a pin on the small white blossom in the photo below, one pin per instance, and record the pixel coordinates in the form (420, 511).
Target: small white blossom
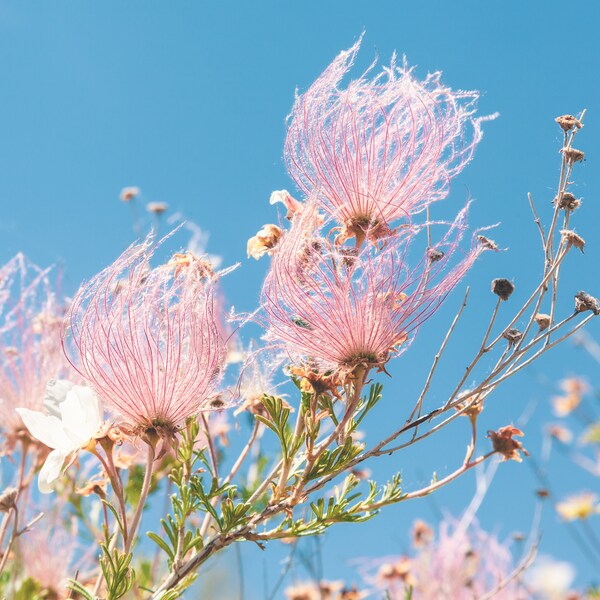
(75, 417)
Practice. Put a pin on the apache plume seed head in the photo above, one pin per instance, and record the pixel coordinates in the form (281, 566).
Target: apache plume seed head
(382, 148)
(31, 319)
(503, 288)
(149, 340)
(339, 314)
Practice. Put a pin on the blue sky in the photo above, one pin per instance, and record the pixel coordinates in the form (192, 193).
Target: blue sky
(187, 100)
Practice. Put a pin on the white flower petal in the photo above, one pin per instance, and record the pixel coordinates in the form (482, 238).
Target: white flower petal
(56, 392)
(51, 470)
(278, 196)
(46, 428)
(81, 413)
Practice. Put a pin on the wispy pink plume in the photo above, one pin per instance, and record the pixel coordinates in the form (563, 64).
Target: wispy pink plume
(30, 353)
(337, 308)
(384, 146)
(456, 564)
(149, 340)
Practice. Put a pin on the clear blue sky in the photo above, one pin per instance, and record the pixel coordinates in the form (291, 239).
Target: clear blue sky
(187, 100)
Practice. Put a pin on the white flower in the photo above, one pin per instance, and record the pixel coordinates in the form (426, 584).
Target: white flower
(550, 579)
(75, 419)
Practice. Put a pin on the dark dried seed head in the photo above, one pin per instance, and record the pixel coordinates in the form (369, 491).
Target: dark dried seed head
(513, 336)
(567, 202)
(503, 288)
(433, 254)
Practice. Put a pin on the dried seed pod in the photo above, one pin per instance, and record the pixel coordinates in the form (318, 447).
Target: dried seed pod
(568, 122)
(264, 241)
(503, 288)
(8, 499)
(543, 321)
(433, 254)
(513, 336)
(584, 302)
(487, 243)
(573, 155)
(572, 239)
(503, 442)
(567, 201)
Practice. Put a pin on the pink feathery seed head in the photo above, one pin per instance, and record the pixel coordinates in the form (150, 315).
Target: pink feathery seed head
(49, 554)
(338, 308)
(30, 343)
(382, 148)
(456, 563)
(149, 340)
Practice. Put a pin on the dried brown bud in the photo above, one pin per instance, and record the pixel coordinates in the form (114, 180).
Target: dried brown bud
(567, 122)
(513, 336)
(157, 207)
(543, 321)
(487, 243)
(542, 493)
(503, 443)
(503, 288)
(572, 239)
(264, 241)
(471, 404)
(8, 499)
(433, 254)
(585, 302)
(567, 201)
(573, 155)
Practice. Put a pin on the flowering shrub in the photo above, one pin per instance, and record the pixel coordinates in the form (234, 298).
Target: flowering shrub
(138, 411)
